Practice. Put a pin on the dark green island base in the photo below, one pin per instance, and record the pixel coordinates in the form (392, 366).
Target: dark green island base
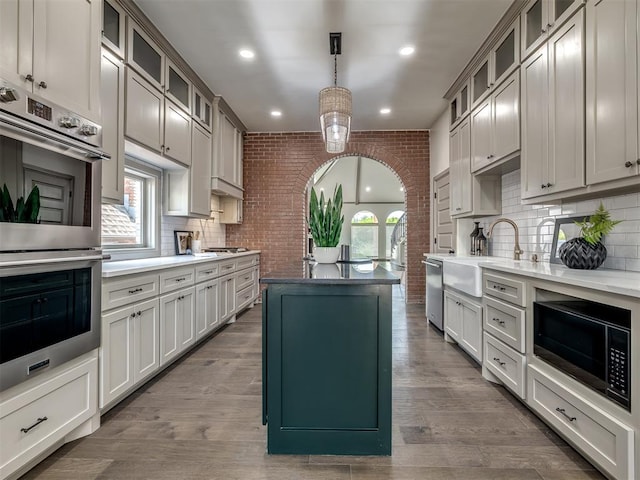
(326, 352)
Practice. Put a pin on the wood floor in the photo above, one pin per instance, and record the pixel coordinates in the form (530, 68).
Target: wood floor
(201, 419)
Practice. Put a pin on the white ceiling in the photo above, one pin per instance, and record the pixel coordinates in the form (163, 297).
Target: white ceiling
(293, 62)
(363, 181)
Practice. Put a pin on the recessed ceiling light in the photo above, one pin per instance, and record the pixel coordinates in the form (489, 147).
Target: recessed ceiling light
(408, 50)
(368, 189)
(385, 111)
(246, 53)
(276, 113)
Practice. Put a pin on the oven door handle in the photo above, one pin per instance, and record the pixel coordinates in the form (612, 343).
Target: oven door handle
(431, 264)
(49, 261)
(43, 135)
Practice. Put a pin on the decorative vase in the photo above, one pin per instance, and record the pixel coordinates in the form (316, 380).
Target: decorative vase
(481, 243)
(326, 254)
(580, 254)
(472, 237)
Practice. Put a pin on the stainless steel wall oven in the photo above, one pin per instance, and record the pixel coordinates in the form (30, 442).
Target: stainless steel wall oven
(50, 262)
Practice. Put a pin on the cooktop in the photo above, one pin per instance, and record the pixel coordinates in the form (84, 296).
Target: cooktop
(226, 249)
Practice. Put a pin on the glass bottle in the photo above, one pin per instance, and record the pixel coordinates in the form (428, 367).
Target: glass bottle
(472, 237)
(481, 243)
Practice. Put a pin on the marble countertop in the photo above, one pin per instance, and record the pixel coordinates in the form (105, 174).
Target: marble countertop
(143, 265)
(620, 282)
(369, 273)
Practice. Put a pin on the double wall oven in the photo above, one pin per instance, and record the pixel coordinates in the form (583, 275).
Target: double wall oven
(50, 258)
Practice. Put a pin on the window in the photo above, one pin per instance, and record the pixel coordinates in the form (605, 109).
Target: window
(133, 226)
(364, 235)
(392, 220)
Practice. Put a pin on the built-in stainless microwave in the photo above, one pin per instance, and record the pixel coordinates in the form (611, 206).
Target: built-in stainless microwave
(589, 341)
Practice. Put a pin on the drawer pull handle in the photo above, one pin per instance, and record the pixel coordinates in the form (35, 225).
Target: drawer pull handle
(498, 287)
(501, 322)
(496, 359)
(209, 287)
(228, 267)
(208, 272)
(38, 422)
(181, 279)
(564, 414)
(135, 290)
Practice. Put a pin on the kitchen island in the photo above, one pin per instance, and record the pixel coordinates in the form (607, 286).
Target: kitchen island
(327, 359)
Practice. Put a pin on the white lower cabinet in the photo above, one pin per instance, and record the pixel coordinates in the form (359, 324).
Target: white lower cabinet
(177, 323)
(227, 297)
(505, 363)
(605, 440)
(463, 322)
(38, 417)
(129, 351)
(207, 307)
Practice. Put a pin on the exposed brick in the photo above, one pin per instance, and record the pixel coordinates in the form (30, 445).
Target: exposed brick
(277, 169)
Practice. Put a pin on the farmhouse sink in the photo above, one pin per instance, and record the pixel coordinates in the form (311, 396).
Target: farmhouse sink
(465, 273)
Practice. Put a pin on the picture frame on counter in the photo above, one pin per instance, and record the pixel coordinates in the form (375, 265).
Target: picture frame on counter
(183, 241)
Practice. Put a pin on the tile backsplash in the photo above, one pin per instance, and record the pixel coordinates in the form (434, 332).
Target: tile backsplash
(536, 225)
(212, 232)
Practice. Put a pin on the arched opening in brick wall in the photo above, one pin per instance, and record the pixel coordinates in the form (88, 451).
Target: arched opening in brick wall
(276, 170)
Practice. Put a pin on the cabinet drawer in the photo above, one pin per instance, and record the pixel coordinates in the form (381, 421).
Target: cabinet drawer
(227, 266)
(244, 297)
(48, 412)
(207, 271)
(601, 437)
(508, 289)
(246, 262)
(176, 278)
(246, 278)
(128, 289)
(505, 363)
(505, 322)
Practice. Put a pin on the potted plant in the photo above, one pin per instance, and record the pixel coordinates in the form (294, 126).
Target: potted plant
(587, 251)
(325, 223)
(24, 211)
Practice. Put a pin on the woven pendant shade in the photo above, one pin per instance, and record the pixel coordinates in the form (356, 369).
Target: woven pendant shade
(335, 117)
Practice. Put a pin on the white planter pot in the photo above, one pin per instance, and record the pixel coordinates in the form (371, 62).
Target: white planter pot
(326, 254)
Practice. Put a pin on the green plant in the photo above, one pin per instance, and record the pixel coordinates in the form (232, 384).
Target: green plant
(325, 222)
(24, 211)
(599, 224)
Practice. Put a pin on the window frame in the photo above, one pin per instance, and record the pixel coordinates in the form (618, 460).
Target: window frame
(151, 212)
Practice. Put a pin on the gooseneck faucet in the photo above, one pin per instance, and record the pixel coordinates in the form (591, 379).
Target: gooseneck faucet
(517, 251)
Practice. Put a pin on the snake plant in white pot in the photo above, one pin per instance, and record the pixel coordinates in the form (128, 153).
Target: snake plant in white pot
(325, 223)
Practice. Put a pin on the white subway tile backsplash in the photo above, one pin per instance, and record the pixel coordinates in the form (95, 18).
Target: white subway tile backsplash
(536, 224)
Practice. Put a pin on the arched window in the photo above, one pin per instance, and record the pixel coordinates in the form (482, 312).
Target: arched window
(364, 235)
(392, 220)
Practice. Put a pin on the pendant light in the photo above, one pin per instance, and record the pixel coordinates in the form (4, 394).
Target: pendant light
(335, 105)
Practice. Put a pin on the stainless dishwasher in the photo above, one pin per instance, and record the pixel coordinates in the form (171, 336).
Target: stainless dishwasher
(434, 294)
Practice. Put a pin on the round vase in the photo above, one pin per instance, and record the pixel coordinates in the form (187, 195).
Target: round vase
(326, 254)
(580, 254)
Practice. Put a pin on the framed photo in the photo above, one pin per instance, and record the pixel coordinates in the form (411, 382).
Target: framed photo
(182, 241)
(565, 229)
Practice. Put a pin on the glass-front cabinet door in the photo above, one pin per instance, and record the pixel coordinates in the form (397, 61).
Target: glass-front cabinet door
(201, 109)
(480, 83)
(178, 87)
(113, 29)
(144, 55)
(459, 105)
(506, 55)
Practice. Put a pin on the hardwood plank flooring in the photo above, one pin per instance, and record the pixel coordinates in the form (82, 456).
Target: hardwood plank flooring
(201, 420)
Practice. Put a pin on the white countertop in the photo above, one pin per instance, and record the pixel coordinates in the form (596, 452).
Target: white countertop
(143, 265)
(614, 281)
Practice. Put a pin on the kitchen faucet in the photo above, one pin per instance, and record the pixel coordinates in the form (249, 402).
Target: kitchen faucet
(517, 251)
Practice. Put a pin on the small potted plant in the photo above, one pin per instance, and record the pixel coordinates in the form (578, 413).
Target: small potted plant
(25, 211)
(325, 223)
(587, 251)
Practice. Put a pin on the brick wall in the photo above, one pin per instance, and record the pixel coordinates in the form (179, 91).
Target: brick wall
(277, 169)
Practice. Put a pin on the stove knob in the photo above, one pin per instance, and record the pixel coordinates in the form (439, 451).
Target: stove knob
(88, 130)
(8, 95)
(69, 122)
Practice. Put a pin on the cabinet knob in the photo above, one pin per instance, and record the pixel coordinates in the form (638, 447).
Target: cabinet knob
(42, 84)
(549, 25)
(28, 78)
(628, 164)
(543, 31)
(543, 186)
(549, 184)
(638, 161)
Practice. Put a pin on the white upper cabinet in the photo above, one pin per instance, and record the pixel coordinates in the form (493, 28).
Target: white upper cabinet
(480, 83)
(36, 52)
(460, 106)
(202, 110)
(178, 86)
(177, 133)
(495, 125)
(541, 18)
(144, 119)
(112, 97)
(552, 154)
(145, 56)
(200, 188)
(227, 156)
(113, 28)
(505, 56)
(612, 87)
